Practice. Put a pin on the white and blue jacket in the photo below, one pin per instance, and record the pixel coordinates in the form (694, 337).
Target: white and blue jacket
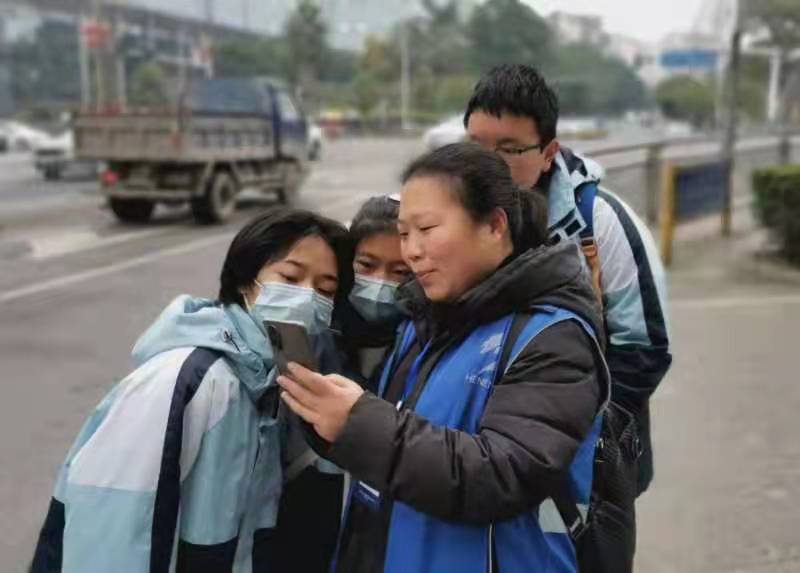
(632, 281)
(179, 467)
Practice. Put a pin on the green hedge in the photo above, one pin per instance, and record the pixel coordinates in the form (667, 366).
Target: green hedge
(777, 205)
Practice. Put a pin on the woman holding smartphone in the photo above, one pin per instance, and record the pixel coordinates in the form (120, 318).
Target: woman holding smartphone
(490, 399)
(180, 467)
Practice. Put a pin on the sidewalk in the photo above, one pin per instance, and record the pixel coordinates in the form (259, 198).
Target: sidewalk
(725, 421)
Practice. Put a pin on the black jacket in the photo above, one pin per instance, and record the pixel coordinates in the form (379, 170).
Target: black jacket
(539, 413)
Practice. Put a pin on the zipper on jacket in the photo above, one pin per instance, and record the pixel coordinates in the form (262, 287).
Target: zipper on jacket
(228, 337)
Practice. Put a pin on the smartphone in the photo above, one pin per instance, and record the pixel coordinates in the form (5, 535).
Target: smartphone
(290, 343)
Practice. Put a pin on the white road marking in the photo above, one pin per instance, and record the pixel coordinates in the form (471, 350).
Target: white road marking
(68, 280)
(76, 278)
(77, 240)
(724, 303)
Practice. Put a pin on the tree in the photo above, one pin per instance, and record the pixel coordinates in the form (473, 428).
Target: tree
(149, 86)
(589, 82)
(339, 66)
(251, 57)
(507, 31)
(687, 98)
(366, 92)
(781, 20)
(306, 37)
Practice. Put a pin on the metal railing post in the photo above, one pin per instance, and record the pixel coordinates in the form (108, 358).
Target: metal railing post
(653, 177)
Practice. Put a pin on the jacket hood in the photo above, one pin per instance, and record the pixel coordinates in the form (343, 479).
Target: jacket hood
(569, 172)
(204, 323)
(549, 275)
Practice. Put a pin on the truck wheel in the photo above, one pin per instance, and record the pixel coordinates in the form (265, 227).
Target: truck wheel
(131, 210)
(219, 201)
(292, 179)
(52, 173)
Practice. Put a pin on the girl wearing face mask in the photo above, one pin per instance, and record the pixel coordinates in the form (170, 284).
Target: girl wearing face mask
(180, 467)
(369, 330)
(491, 397)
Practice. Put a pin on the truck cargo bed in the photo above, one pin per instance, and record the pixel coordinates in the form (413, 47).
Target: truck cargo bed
(170, 137)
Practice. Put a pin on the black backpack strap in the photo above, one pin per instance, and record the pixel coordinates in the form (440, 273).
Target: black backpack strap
(517, 324)
(565, 503)
(562, 496)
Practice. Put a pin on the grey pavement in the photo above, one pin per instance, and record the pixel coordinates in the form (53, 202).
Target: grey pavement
(727, 454)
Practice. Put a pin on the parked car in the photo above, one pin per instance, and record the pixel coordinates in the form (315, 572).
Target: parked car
(450, 130)
(581, 128)
(57, 155)
(21, 137)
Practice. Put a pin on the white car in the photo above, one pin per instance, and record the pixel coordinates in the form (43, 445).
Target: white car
(21, 137)
(57, 155)
(450, 130)
(315, 138)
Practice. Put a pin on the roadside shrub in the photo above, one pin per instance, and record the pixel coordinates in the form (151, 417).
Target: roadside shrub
(777, 206)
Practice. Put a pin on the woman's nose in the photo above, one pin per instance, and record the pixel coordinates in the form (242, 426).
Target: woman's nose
(412, 248)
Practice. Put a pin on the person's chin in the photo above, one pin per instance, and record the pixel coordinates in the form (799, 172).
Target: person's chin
(434, 293)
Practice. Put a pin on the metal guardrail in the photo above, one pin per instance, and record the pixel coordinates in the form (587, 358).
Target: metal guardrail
(655, 157)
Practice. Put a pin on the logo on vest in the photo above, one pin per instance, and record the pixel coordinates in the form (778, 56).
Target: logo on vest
(484, 377)
(492, 344)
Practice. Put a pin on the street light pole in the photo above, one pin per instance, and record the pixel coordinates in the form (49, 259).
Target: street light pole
(405, 76)
(729, 144)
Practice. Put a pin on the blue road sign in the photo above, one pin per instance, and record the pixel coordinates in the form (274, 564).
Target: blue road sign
(694, 59)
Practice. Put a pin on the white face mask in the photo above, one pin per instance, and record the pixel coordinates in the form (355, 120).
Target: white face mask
(374, 299)
(289, 303)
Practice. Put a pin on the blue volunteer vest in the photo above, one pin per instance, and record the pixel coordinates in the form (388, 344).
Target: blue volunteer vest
(455, 396)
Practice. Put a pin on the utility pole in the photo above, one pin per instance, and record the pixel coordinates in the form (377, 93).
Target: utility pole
(729, 143)
(85, 64)
(99, 64)
(405, 76)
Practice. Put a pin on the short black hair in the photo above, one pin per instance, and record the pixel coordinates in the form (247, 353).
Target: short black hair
(376, 216)
(482, 183)
(269, 237)
(520, 90)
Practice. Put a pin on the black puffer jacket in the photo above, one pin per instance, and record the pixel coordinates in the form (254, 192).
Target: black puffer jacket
(539, 413)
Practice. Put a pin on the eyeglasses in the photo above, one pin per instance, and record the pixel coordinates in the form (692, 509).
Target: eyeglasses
(517, 150)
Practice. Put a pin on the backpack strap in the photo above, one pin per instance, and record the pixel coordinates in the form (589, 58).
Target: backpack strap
(517, 324)
(584, 198)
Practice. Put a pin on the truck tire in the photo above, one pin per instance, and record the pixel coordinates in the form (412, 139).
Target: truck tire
(52, 173)
(292, 179)
(218, 203)
(131, 210)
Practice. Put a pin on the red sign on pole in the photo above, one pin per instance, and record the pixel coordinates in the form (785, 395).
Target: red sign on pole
(96, 35)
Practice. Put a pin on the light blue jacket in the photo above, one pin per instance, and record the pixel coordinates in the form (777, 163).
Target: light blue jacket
(181, 460)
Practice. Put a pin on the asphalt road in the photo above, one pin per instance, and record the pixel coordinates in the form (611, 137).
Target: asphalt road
(77, 288)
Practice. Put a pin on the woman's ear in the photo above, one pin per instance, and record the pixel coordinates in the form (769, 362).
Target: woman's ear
(248, 296)
(498, 223)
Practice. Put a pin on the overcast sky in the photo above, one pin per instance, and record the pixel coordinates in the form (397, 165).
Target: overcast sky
(648, 20)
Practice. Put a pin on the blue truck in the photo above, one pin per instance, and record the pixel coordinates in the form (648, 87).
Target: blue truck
(221, 136)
